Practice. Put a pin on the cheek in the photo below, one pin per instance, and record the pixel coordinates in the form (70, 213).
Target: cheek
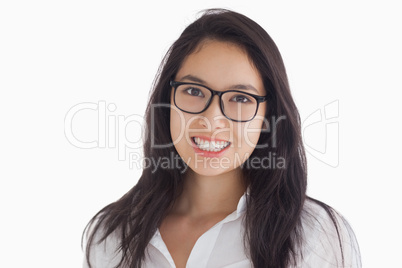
(174, 119)
(250, 134)
(254, 128)
(176, 124)
(178, 128)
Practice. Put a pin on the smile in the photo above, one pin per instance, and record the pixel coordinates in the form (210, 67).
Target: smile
(210, 146)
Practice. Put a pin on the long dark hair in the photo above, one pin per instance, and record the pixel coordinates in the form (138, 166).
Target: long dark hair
(276, 195)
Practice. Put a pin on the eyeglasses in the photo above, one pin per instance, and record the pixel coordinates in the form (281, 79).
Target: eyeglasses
(235, 105)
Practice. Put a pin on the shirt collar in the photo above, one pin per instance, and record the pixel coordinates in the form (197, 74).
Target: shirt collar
(241, 208)
(242, 205)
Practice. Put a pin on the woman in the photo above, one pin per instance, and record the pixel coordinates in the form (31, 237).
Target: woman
(221, 104)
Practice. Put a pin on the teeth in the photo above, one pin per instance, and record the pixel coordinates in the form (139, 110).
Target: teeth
(210, 146)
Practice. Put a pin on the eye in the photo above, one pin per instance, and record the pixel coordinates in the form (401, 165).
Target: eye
(194, 92)
(240, 99)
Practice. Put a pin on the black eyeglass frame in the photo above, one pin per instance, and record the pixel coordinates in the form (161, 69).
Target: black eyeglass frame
(259, 99)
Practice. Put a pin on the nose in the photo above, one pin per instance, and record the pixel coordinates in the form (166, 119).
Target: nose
(213, 115)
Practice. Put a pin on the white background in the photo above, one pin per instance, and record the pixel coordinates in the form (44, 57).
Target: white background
(57, 54)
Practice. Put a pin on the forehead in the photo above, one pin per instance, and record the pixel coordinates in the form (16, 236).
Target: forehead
(221, 65)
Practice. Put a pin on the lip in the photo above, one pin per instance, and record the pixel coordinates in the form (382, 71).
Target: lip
(206, 153)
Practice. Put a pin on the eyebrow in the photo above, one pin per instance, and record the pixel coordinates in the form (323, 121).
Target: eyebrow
(195, 79)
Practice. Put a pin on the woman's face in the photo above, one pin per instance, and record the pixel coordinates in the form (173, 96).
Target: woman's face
(210, 143)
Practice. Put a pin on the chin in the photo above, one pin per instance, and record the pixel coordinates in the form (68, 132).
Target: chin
(207, 168)
(209, 173)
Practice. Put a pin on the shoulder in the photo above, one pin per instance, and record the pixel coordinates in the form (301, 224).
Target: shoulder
(328, 239)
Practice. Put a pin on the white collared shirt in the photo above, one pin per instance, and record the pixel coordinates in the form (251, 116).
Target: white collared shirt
(222, 245)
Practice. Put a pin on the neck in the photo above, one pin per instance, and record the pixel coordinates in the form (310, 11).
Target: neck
(210, 195)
